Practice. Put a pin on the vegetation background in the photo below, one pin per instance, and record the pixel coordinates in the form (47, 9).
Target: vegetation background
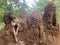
(15, 7)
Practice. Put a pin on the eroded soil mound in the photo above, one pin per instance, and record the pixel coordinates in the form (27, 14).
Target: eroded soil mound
(33, 30)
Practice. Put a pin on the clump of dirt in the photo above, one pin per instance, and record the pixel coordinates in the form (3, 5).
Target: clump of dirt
(34, 33)
(7, 35)
(50, 22)
(8, 17)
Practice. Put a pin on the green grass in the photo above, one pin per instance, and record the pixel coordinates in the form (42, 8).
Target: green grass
(59, 17)
(1, 26)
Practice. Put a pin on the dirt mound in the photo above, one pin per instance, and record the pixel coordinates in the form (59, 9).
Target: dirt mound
(50, 22)
(7, 35)
(32, 30)
(34, 33)
(28, 32)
